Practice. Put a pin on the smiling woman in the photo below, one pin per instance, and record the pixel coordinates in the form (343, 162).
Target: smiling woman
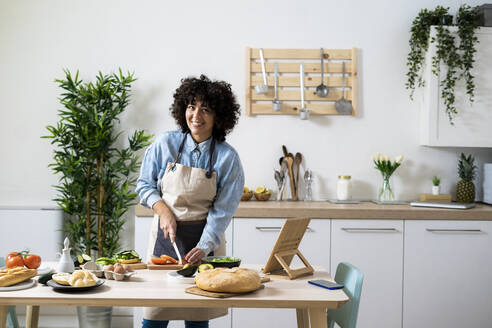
(193, 180)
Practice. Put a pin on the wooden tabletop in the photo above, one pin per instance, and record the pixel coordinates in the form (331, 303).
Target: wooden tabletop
(153, 288)
(364, 210)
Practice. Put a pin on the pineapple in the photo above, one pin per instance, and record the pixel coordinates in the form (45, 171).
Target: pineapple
(465, 189)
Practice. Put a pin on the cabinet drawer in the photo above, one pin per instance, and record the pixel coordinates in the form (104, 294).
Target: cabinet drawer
(447, 274)
(253, 242)
(376, 248)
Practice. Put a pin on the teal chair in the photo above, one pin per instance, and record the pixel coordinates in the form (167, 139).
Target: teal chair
(12, 315)
(351, 278)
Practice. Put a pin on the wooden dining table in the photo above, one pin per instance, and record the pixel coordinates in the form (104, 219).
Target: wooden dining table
(154, 288)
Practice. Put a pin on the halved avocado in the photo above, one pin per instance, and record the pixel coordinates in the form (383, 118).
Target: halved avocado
(187, 270)
(205, 267)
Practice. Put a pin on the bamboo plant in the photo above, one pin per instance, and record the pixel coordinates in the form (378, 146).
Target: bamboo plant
(96, 174)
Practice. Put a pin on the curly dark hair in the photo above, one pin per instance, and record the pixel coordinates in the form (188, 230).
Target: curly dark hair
(216, 95)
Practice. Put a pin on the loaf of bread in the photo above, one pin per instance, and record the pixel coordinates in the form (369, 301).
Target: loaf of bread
(82, 279)
(9, 277)
(234, 280)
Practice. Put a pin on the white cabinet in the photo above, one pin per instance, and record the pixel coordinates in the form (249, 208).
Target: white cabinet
(253, 242)
(472, 124)
(376, 248)
(447, 271)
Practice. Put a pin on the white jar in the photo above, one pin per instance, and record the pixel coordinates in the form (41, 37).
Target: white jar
(344, 187)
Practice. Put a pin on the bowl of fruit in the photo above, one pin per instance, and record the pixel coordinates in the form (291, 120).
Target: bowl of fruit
(262, 193)
(247, 194)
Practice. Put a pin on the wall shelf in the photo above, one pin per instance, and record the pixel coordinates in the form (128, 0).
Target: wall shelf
(289, 83)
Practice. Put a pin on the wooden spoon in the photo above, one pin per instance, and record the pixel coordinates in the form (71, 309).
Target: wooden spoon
(297, 163)
(289, 160)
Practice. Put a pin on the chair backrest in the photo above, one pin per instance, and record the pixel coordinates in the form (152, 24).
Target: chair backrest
(351, 278)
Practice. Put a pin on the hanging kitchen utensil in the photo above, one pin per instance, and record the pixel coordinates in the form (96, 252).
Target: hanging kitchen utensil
(343, 106)
(262, 89)
(276, 103)
(322, 90)
(303, 112)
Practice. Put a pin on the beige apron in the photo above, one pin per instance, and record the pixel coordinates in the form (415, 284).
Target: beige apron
(189, 194)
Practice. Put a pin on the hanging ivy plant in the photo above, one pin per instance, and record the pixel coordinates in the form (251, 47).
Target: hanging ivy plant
(467, 21)
(458, 59)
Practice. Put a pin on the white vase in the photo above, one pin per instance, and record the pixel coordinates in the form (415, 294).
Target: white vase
(435, 190)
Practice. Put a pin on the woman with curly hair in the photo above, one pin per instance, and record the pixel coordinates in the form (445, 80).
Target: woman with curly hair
(193, 181)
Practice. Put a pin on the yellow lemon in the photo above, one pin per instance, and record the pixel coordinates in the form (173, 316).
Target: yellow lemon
(246, 189)
(260, 189)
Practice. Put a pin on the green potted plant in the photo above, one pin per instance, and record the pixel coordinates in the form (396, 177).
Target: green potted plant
(96, 174)
(458, 57)
(465, 189)
(436, 185)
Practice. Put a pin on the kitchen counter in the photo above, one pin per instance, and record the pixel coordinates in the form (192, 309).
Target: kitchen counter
(364, 210)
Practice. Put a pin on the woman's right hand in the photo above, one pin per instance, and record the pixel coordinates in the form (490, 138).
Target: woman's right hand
(167, 221)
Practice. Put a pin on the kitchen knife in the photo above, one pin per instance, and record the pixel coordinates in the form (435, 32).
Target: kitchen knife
(177, 252)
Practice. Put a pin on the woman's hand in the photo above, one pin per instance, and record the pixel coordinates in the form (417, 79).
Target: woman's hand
(167, 222)
(195, 255)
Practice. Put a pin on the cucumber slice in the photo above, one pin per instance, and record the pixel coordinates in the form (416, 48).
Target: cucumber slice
(86, 258)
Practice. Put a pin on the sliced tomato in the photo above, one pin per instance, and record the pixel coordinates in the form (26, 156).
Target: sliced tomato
(169, 258)
(32, 261)
(159, 261)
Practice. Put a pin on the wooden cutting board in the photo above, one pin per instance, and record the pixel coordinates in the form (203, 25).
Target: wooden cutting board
(152, 266)
(138, 266)
(197, 291)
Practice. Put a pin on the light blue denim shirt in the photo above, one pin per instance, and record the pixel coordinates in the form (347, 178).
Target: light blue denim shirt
(230, 178)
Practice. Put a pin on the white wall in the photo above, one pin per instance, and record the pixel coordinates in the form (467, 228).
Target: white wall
(163, 41)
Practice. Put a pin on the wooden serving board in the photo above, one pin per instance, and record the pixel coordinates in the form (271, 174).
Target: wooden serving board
(152, 266)
(138, 266)
(197, 291)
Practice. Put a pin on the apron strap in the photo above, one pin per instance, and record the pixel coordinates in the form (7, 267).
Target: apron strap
(180, 150)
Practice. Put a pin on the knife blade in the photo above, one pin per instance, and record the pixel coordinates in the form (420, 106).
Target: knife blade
(177, 252)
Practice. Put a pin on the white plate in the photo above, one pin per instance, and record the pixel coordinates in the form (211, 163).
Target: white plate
(173, 275)
(21, 285)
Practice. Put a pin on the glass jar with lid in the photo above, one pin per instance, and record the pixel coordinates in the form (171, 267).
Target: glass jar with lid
(344, 187)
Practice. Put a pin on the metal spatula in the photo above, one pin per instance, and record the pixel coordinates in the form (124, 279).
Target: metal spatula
(342, 105)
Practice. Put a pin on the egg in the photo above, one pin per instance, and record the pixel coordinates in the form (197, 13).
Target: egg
(109, 267)
(127, 267)
(119, 269)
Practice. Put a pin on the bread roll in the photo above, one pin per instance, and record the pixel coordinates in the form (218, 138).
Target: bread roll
(234, 280)
(62, 278)
(9, 277)
(82, 279)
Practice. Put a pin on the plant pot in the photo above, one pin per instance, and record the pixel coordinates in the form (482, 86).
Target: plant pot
(94, 316)
(436, 190)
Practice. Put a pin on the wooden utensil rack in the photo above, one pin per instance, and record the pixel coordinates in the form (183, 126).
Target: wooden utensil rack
(289, 82)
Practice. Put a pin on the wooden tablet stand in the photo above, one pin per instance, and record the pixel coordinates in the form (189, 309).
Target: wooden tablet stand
(278, 264)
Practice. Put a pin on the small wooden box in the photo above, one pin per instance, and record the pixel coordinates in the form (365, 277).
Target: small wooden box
(444, 198)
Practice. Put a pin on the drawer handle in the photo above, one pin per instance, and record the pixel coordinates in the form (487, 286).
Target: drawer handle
(308, 229)
(370, 229)
(455, 230)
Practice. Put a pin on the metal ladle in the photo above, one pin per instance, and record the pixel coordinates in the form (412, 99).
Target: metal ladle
(276, 103)
(322, 90)
(342, 105)
(262, 89)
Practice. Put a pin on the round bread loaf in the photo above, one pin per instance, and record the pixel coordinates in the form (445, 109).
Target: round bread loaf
(225, 280)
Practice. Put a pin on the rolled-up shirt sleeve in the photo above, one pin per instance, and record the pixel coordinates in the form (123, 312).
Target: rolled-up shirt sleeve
(229, 191)
(147, 181)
